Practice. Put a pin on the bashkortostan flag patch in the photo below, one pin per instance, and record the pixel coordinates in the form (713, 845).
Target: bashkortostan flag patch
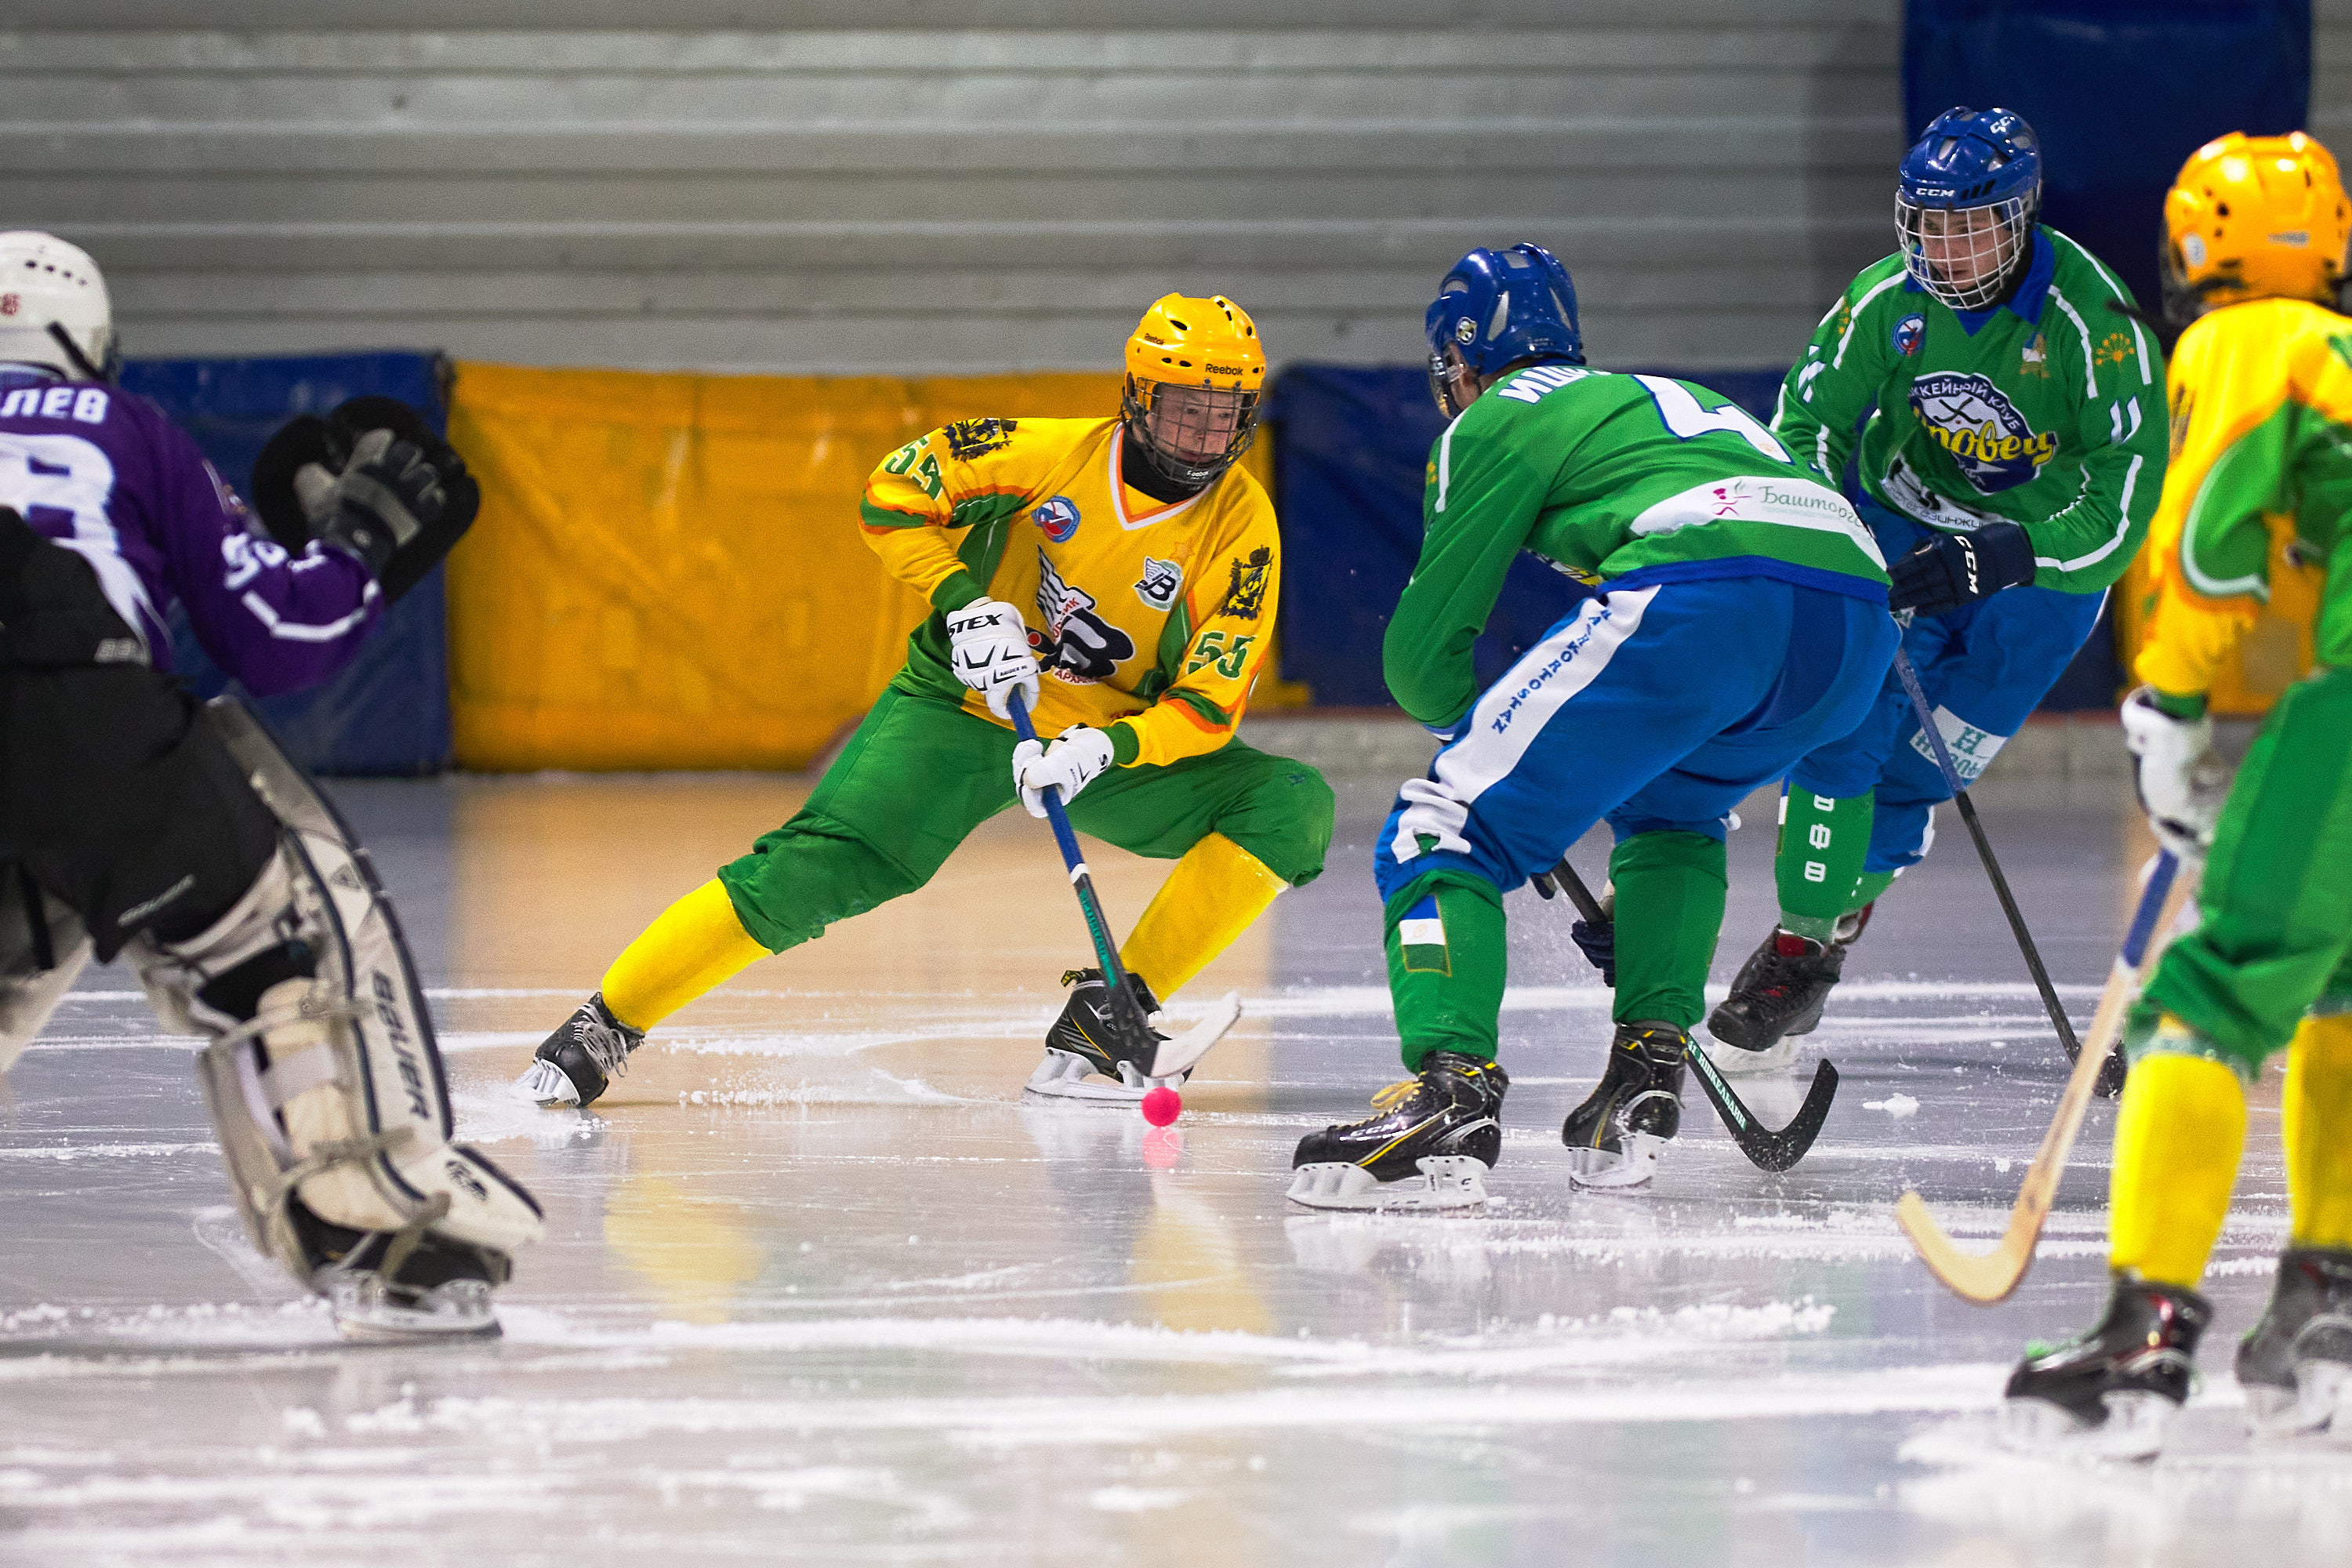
(1421, 935)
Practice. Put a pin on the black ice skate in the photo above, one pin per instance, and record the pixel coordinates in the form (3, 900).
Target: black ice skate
(406, 1284)
(1780, 993)
(575, 1065)
(1098, 1050)
(2296, 1366)
(1428, 1143)
(1616, 1137)
(2111, 1390)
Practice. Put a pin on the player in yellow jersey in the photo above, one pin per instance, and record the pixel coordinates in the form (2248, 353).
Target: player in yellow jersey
(2260, 393)
(1121, 573)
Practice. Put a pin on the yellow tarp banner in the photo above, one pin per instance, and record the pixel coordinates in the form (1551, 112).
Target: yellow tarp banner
(667, 571)
(2274, 654)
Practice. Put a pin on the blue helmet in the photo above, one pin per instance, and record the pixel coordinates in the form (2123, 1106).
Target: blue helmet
(1982, 171)
(1496, 307)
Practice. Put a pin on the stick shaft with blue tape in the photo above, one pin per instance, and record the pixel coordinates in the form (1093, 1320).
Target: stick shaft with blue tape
(2058, 1020)
(1099, 929)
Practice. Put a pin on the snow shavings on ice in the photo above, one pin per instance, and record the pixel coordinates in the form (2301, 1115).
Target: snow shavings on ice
(1898, 1106)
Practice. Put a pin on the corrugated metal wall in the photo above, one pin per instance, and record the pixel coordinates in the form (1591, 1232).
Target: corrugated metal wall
(878, 194)
(872, 190)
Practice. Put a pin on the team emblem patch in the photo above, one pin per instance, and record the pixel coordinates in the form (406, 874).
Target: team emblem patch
(969, 439)
(1909, 334)
(1975, 422)
(1160, 583)
(1245, 595)
(1465, 331)
(1077, 645)
(1420, 939)
(1056, 519)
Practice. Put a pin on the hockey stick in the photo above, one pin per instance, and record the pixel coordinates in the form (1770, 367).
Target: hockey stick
(1175, 1055)
(1768, 1150)
(1990, 1277)
(2058, 1020)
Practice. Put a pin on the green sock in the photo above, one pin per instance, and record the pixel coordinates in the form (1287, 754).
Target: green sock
(1670, 888)
(1447, 960)
(1822, 842)
(1868, 888)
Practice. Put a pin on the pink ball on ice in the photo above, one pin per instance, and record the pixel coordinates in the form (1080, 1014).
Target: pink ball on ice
(1162, 1106)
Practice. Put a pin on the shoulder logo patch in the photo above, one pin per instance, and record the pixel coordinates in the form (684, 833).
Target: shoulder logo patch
(2114, 348)
(1160, 583)
(969, 439)
(1056, 519)
(1975, 422)
(1245, 595)
(1909, 334)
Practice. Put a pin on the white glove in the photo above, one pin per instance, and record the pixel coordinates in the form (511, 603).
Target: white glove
(2181, 783)
(1068, 764)
(989, 647)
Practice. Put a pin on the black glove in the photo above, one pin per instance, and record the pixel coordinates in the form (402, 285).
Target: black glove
(1955, 569)
(313, 481)
(386, 496)
(1600, 944)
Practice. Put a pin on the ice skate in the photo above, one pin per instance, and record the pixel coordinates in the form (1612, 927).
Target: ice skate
(2296, 1366)
(575, 1065)
(2110, 1391)
(1616, 1137)
(1092, 1054)
(1428, 1143)
(1778, 994)
(407, 1284)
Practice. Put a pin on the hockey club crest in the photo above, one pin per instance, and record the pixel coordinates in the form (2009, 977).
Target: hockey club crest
(1077, 645)
(1909, 334)
(1160, 583)
(1975, 422)
(969, 439)
(1245, 595)
(2034, 359)
(1056, 519)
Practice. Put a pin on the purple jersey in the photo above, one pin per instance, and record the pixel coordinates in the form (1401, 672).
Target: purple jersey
(106, 475)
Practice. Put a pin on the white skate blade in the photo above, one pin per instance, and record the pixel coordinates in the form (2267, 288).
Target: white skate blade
(1601, 1168)
(2134, 1428)
(1066, 1075)
(1446, 1182)
(1733, 1062)
(365, 1311)
(544, 1083)
(1177, 1056)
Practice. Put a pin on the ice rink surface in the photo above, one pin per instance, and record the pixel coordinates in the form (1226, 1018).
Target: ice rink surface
(817, 1287)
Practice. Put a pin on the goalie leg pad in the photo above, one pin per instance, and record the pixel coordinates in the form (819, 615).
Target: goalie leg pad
(322, 1075)
(38, 966)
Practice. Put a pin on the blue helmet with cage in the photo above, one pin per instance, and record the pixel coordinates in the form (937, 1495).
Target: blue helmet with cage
(1966, 201)
(1496, 307)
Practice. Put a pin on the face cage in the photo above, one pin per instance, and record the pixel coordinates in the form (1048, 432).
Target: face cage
(1140, 398)
(1999, 249)
(1445, 376)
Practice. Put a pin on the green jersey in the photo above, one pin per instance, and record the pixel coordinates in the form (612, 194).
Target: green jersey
(2047, 411)
(1623, 479)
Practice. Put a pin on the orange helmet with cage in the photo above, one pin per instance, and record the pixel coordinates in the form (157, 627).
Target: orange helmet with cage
(1195, 370)
(2254, 217)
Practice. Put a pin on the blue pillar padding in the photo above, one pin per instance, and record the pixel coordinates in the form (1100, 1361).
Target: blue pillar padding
(2120, 92)
(1352, 450)
(389, 711)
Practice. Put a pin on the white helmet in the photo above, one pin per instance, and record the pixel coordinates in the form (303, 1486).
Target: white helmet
(53, 306)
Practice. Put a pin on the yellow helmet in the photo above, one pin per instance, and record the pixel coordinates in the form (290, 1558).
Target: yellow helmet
(1206, 353)
(2254, 217)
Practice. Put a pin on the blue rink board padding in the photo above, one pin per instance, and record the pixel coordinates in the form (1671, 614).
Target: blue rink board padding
(389, 713)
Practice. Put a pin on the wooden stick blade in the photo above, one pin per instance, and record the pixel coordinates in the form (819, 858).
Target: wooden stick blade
(1981, 1277)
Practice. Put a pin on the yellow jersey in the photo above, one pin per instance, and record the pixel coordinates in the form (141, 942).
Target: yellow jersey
(2261, 396)
(1151, 619)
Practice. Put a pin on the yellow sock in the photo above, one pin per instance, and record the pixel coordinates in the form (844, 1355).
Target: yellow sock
(1217, 889)
(2179, 1135)
(2316, 1113)
(693, 946)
